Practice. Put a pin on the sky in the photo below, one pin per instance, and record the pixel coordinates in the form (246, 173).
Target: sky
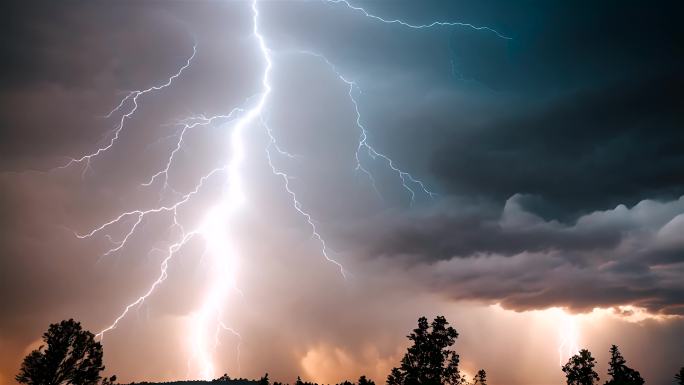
(550, 143)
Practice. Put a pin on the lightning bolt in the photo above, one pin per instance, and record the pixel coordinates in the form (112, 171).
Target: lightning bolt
(417, 26)
(363, 144)
(568, 337)
(132, 99)
(215, 228)
(273, 145)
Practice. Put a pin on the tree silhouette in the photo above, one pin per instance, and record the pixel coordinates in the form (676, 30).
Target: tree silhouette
(365, 381)
(224, 378)
(620, 373)
(680, 376)
(480, 378)
(429, 361)
(71, 357)
(580, 369)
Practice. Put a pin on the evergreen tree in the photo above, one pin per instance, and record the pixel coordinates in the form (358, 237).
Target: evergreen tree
(429, 361)
(580, 369)
(480, 378)
(620, 373)
(365, 381)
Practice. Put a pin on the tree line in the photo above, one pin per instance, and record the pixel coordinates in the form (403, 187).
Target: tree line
(71, 356)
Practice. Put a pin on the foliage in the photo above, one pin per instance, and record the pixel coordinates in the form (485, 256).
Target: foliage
(480, 378)
(224, 378)
(580, 369)
(72, 356)
(429, 361)
(264, 380)
(620, 373)
(365, 381)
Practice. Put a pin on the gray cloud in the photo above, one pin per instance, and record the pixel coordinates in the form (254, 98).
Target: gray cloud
(605, 258)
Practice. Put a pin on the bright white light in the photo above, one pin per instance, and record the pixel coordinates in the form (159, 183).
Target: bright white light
(568, 334)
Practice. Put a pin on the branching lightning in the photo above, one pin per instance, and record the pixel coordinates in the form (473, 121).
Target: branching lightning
(133, 97)
(417, 26)
(407, 180)
(207, 321)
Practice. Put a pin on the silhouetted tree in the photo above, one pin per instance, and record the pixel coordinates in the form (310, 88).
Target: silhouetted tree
(346, 382)
(620, 373)
(72, 356)
(224, 378)
(300, 382)
(429, 361)
(365, 381)
(264, 380)
(680, 376)
(580, 369)
(480, 378)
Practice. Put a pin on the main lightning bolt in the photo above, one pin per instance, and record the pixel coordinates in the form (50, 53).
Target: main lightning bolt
(215, 228)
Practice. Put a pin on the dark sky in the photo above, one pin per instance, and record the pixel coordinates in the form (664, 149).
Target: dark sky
(556, 158)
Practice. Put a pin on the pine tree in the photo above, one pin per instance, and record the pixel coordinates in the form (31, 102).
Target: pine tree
(620, 373)
(580, 369)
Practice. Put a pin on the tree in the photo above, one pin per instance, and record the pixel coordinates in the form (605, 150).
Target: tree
(680, 376)
(224, 378)
(365, 381)
(72, 356)
(580, 369)
(620, 373)
(264, 380)
(429, 361)
(480, 378)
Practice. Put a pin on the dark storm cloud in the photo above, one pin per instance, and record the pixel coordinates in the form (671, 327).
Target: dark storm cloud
(581, 152)
(516, 258)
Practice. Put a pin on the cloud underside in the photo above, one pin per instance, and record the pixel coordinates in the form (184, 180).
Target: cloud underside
(624, 256)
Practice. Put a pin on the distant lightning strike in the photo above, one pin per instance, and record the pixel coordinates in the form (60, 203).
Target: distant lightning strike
(215, 227)
(569, 338)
